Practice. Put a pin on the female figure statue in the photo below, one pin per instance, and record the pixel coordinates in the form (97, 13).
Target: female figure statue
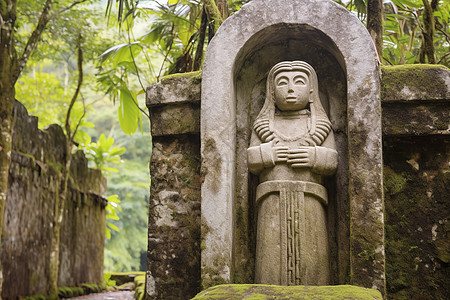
(292, 147)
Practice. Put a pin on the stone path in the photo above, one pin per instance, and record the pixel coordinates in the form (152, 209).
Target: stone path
(123, 295)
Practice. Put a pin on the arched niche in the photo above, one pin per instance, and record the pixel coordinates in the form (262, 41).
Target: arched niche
(238, 59)
(288, 42)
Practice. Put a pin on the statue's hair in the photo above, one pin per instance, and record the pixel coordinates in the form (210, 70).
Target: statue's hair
(319, 125)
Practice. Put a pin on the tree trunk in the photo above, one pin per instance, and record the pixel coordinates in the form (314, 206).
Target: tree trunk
(427, 48)
(8, 62)
(213, 13)
(375, 23)
(201, 41)
(61, 199)
(222, 6)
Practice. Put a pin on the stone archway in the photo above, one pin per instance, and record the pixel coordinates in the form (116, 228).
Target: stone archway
(237, 61)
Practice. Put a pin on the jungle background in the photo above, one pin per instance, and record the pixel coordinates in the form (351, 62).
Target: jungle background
(128, 44)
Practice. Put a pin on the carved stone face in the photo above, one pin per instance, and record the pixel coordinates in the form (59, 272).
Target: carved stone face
(291, 89)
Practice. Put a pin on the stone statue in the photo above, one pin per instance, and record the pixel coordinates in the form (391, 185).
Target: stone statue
(292, 147)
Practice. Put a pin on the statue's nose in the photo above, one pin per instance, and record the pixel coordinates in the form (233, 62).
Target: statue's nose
(290, 88)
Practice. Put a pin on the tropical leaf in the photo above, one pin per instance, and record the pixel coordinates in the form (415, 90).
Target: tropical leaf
(129, 114)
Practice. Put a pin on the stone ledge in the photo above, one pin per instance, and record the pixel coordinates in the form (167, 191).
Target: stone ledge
(415, 83)
(175, 89)
(259, 291)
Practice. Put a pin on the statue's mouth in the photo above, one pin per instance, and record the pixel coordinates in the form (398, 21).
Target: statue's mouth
(291, 99)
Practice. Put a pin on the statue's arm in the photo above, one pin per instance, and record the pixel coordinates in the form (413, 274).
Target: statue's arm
(321, 159)
(264, 155)
(326, 157)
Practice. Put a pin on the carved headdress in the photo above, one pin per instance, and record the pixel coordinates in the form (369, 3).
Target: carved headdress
(319, 125)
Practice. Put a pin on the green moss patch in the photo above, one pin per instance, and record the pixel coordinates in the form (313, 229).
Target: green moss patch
(139, 291)
(427, 79)
(121, 278)
(36, 297)
(259, 291)
(195, 76)
(69, 292)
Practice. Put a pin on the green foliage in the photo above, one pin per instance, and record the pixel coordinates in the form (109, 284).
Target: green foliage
(359, 6)
(171, 44)
(124, 250)
(404, 29)
(403, 32)
(43, 95)
(111, 213)
(49, 80)
(34, 89)
(102, 153)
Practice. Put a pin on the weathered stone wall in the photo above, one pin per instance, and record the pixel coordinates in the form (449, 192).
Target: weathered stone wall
(416, 133)
(34, 183)
(416, 139)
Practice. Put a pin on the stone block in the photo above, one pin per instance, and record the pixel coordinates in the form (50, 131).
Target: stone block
(175, 119)
(415, 83)
(175, 89)
(416, 100)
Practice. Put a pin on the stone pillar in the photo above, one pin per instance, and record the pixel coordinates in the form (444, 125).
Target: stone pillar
(173, 258)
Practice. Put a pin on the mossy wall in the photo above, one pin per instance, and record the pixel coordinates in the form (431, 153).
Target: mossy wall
(417, 189)
(34, 183)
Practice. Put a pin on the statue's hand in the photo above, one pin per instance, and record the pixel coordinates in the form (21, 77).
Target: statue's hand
(302, 157)
(280, 153)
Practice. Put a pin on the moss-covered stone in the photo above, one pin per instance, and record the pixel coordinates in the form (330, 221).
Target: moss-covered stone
(259, 291)
(414, 82)
(175, 119)
(36, 297)
(90, 288)
(418, 118)
(174, 226)
(417, 185)
(196, 76)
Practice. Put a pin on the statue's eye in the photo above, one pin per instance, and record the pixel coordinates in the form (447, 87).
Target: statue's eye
(299, 80)
(282, 82)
